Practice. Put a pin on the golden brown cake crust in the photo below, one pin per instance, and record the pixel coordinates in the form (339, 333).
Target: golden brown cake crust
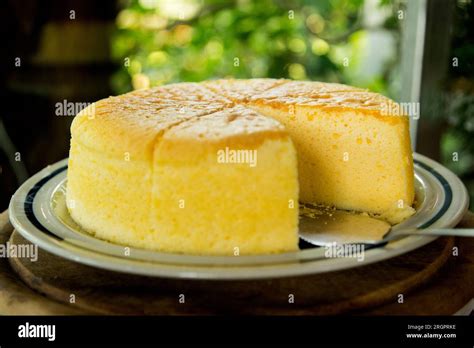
(147, 114)
(131, 123)
(324, 95)
(242, 90)
(228, 125)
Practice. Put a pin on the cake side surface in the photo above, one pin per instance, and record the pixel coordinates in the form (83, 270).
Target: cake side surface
(108, 195)
(225, 183)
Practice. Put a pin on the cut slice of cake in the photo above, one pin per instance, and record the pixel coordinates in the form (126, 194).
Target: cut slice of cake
(350, 153)
(225, 184)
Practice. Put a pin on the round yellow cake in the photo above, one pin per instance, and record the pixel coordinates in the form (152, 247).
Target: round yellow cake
(218, 167)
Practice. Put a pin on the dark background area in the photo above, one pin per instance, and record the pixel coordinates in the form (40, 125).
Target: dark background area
(75, 65)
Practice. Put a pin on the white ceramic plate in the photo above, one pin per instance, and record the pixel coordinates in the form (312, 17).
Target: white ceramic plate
(37, 210)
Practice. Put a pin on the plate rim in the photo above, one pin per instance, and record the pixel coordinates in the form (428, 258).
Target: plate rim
(237, 271)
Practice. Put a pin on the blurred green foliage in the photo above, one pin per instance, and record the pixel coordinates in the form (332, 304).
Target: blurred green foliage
(163, 41)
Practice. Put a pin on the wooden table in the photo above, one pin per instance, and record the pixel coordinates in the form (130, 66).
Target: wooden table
(437, 279)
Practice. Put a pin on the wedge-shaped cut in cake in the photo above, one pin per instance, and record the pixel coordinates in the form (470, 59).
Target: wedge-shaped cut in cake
(351, 154)
(225, 184)
(110, 162)
(242, 90)
(300, 91)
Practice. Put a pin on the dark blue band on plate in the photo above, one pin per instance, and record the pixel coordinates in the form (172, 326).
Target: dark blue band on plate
(448, 192)
(30, 198)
